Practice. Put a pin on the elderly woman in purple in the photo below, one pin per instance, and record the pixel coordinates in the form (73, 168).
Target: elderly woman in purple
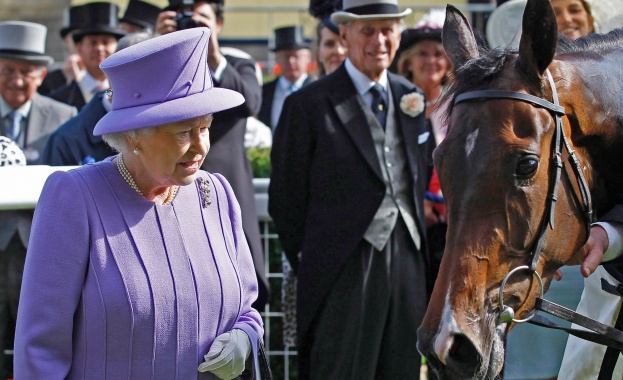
(138, 267)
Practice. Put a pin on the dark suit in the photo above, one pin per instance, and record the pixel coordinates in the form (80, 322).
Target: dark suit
(44, 117)
(228, 156)
(70, 94)
(73, 143)
(327, 185)
(53, 81)
(268, 94)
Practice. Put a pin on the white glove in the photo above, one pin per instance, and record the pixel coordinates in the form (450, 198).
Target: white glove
(227, 355)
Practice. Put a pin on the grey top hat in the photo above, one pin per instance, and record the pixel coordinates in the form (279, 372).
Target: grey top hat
(289, 38)
(368, 10)
(23, 41)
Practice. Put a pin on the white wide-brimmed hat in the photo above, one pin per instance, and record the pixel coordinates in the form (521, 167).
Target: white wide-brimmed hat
(24, 41)
(368, 10)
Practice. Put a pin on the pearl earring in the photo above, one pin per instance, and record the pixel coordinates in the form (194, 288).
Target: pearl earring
(135, 151)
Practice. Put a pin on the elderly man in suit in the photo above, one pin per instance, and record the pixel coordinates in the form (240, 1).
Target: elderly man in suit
(95, 39)
(227, 152)
(351, 161)
(293, 56)
(28, 119)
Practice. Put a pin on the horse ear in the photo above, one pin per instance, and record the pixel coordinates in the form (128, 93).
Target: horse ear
(458, 38)
(539, 37)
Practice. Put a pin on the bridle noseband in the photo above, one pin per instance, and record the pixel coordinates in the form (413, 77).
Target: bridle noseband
(557, 111)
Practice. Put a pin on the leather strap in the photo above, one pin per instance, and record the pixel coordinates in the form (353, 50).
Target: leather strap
(601, 333)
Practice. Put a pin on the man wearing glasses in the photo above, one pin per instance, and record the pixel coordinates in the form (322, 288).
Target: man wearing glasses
(28, 119)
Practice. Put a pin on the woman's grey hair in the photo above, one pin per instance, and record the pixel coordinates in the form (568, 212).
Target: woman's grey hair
(133, 39)
(119, 141)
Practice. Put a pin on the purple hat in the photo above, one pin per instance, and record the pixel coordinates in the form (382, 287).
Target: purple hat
(162, 80)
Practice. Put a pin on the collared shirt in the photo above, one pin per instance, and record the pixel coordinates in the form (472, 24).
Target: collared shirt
(218, 73)
(362, 83)
(24, 110)
(282, 90)
(615, 240)
(89, 86)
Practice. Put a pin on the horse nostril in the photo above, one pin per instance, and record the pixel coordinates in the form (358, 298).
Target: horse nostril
(463, 356)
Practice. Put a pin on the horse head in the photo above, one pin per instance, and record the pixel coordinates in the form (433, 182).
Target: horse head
(496, 168)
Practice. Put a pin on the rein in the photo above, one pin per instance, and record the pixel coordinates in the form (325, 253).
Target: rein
(601, 333)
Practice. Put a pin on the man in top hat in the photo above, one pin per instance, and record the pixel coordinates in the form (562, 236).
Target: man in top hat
(227, 152)
(74, 143)
(139, 16)
(95, 39)
(73, 68)
(293, 56)
(350, 164)
(27, 118)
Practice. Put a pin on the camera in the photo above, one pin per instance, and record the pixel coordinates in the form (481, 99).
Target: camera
(184, 18)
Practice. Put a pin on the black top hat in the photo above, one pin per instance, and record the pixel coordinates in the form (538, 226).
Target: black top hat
(141, 14)
(177, 4)
(289, 38)
(322, 10)
(76, 16)
(100, 18)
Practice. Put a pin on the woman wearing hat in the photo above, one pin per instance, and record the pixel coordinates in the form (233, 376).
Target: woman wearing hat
(422, 59)
(138, 266)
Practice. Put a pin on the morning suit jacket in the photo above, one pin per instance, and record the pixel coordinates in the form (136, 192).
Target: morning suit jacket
(53, 81)
(70, 94)
(268, 94)
(73, 143)
(228, 157)
(45, 116)
(326, 183)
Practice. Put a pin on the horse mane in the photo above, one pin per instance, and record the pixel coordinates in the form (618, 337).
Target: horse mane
(479, 72)
(591, 43)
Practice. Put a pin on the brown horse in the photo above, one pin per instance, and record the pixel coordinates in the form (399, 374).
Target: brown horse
(496, 170)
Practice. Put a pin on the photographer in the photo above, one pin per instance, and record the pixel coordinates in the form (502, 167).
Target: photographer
(227, 153)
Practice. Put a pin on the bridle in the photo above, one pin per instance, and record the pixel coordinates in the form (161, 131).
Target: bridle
(605, 334)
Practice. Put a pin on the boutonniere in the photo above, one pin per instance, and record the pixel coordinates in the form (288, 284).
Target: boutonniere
(412, 104)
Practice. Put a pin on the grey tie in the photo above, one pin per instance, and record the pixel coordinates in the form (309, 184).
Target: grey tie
(378, 104)
(15, 127)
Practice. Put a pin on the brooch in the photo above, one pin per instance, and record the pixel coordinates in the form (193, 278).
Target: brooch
(204, 189)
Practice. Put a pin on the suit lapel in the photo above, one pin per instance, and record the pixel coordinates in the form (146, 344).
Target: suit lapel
(37, 119)
(349, 106)
(411, 127)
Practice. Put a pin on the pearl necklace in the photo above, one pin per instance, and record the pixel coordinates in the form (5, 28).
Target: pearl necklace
(125, 173)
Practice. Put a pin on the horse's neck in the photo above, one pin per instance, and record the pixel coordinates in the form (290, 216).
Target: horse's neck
(592, 92)
(595, 95)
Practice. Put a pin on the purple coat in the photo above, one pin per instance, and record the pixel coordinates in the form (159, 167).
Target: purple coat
(118, 287)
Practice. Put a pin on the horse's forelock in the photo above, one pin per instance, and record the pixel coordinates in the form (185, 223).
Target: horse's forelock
(475, 73)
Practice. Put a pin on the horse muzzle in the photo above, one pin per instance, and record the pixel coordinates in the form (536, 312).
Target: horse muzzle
(453, 356)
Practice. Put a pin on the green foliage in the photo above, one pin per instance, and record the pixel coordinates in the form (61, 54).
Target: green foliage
(260, 162)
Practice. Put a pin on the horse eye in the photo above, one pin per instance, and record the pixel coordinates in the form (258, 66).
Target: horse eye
(526, 167)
